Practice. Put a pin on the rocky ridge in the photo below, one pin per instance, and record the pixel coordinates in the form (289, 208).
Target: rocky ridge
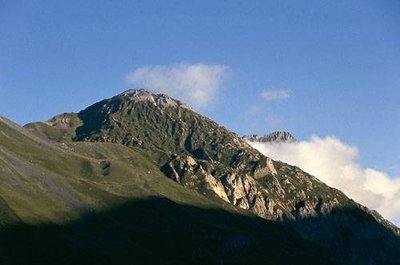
(276, 137)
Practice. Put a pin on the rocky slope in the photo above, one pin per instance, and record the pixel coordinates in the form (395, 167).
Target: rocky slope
(203, 156)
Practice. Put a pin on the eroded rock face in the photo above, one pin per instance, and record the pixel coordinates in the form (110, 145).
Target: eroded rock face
(269, 196)
(185, 170)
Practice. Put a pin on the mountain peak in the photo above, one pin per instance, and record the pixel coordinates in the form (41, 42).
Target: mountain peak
(135, 93)
(161, 100)
(276, 137)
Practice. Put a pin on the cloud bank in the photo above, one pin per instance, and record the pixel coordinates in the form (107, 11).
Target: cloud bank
(335, 163)
(275, 94)
(196, 83)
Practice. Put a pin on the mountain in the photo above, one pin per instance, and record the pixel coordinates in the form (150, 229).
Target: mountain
(104, 203)
(139, 145)
(279, 136)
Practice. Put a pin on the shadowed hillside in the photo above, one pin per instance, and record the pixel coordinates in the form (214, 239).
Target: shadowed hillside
(158, 231)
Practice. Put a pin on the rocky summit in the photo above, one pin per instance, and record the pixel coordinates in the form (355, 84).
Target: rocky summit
(139, 145)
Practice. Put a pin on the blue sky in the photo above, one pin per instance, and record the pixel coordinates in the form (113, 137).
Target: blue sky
(337, 61)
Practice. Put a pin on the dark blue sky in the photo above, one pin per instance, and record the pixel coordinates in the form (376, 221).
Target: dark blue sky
(339, 62)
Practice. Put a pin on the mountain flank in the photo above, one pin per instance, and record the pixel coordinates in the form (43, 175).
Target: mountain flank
(139, 144)
(105, 203)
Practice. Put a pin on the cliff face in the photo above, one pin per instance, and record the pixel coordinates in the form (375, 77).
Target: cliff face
(204, 156)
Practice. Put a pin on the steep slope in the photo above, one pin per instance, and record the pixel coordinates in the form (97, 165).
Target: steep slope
(105, 203)
(181, 138)
(28, 185)
(203, 156)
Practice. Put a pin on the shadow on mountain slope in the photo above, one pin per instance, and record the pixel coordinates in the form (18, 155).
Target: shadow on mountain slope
(158, 231)
(352, 236)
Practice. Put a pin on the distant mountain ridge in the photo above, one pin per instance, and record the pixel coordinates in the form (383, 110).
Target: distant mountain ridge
(204, 157)
(274, 137)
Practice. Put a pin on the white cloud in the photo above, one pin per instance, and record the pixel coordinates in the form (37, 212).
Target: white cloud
(196, 83)
(275, 94)
(335, 163)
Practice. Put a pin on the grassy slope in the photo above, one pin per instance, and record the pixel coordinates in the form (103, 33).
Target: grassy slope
(76, 168)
